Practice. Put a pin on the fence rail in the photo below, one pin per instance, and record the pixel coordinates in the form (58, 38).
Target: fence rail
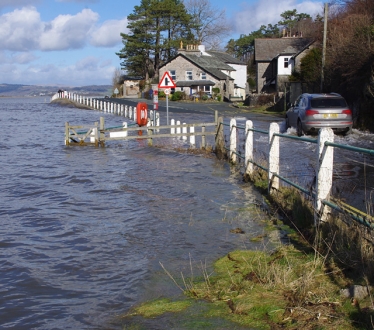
(321, 194)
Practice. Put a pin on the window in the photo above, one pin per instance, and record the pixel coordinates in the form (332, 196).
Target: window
(286, 62)
(206, 88)
(173, 75)
(203, 75)
(188, 75)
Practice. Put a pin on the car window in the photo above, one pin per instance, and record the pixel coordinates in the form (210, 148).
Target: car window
(328, 103)
(298, 100)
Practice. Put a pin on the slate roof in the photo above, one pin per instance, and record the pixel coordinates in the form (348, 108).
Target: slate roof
(189, 83)
(267, 49)
(211, 64)
(226, 58)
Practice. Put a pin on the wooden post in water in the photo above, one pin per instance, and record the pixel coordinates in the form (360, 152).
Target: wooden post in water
(67, 138)
(273, 157)
(248, 147)
(102, 131)
(233, 141)
(220, 141)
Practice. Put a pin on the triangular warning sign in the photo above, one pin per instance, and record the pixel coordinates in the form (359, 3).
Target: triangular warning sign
(166, 81)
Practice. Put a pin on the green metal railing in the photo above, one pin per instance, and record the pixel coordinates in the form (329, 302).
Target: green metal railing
(355, 214)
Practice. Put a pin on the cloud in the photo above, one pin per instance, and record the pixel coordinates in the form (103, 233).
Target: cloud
(20, 30)
(108, 34)
(251, 17)
(23, 30)
(86, 71)
(68, 31)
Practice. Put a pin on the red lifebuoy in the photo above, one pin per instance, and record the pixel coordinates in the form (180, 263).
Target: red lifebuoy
(142, 114)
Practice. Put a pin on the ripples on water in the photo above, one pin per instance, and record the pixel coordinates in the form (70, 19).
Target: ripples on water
(83, 229)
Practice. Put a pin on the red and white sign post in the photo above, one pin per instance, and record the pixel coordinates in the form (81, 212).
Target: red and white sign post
(166, 83)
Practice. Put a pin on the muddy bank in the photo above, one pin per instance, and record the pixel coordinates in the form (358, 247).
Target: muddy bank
(70, 104)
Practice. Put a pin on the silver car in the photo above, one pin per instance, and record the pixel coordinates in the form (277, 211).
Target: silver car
(310, 112)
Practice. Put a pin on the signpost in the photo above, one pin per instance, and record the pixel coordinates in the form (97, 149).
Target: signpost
(166, 83)
(116, 91)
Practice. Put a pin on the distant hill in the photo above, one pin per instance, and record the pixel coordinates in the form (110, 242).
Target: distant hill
(35, 90)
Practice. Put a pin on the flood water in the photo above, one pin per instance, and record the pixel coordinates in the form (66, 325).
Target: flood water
(83, 229)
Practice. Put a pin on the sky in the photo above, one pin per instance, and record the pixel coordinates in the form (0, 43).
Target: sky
(74, 42)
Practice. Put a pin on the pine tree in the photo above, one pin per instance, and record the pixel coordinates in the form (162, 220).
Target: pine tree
(156, 28)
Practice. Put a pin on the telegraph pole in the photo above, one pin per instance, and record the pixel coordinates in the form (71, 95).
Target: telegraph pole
(324, 45)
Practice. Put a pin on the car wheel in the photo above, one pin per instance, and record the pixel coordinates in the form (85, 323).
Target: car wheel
(287, 123)
(299, 128)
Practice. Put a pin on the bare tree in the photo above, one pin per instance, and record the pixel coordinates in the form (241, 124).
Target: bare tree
(210, 24)
(116, 80)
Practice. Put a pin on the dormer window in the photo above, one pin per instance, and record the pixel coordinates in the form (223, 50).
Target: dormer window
(286, 62)
(203, 75)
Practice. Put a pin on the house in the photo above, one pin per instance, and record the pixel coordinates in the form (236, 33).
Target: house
(275, 60)
(194, 69)
(131, 85)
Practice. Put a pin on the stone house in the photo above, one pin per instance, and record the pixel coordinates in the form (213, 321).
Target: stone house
(276, 59)
(130, 85)
(193, 69)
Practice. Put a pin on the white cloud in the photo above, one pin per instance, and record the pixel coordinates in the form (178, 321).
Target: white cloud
(251, 17)
(108, 34)
(23, 30)
(68, 31)
(20, 29)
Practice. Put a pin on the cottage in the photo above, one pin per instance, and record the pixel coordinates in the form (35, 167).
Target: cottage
(194, 69)
(276, 59)
(131, 85)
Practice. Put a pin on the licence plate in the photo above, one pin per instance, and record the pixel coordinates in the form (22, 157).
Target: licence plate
(330, 115)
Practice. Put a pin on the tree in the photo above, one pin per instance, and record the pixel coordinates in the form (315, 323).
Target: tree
(291, 20)
(209, 24)
(156, 28)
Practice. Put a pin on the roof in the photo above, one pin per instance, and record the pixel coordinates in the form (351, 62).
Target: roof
(189, 83)
(267, 49)
(213, 64)
(130, 78)
(226, 58)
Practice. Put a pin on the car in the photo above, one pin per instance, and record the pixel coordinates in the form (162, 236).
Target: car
(310, 112)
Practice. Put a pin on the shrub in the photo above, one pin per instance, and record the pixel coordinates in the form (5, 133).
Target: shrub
(178, 95)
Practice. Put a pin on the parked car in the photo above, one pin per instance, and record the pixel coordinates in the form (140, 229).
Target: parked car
(310, 112)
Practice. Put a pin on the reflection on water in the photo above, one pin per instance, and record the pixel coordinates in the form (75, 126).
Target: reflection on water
(83, 229)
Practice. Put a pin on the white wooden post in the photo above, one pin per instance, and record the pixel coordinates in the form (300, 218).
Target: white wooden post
(324, 173)
(178, 128)
(192, 137)
(273, 157)
(184, 129)
(101, 105)
(135, 114)
(172, 129)
(130, 112)
(157, 118)
(249, 147)
(93, 135)
(233, 140)
(151, 121)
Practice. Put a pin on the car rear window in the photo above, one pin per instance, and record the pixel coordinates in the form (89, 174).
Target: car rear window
(328, 103)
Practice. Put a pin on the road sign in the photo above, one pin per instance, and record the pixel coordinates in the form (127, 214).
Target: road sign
(166, 81)
(167, 91)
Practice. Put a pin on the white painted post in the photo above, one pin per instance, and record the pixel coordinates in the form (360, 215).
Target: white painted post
(135, 114)
(93, 135)
(101, 105)
(124, 124)
(233, 140)
(273, 157)
(151, 121)
(157, 118)
(130, 111)
(192, 137)
(248, 147)
(184, 129)
(126, 111)
(324, 173)
(178, 128)
(122, 109)
(172, 129)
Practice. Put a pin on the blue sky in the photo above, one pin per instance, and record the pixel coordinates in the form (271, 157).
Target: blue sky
(73, 42)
